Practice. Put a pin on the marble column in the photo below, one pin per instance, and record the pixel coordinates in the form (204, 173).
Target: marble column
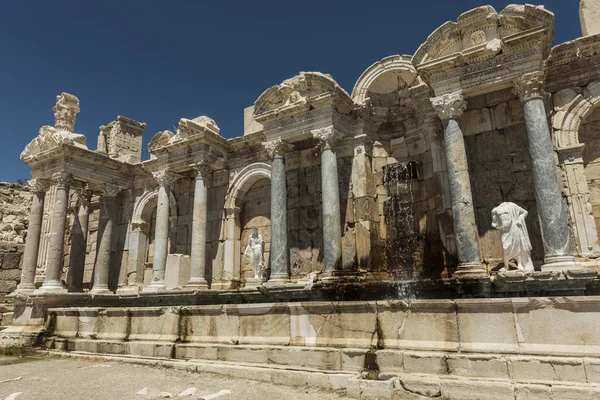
(330, 192)
(280, 266)
(449, 108)
(79, 243)
(198, 245)
(34, 230)
(106, 229)
(161, 235)
(556, 233)
(52, 282)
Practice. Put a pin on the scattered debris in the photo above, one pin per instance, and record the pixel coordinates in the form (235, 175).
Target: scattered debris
(12, 380)
(215, 395)
(188, 392)
(142, 392)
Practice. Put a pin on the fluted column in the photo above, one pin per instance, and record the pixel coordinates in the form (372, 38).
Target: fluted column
(198, 245)
(449, 108)
(106, 228)
(161, 236)
(34, 230)
(280, 268)
(330, 192)
(556, 236)
(79, 243)
(56, 243)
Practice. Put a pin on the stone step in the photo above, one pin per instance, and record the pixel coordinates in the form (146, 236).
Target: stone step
(404, 386)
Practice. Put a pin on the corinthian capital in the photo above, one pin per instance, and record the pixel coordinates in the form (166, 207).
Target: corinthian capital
(327, 136)
(111, 190)
(202, 170)
(450, 105)
(62, 180)
(529, 86)
(65, 112)
(164, 177)
(276, 148)
(37, 185)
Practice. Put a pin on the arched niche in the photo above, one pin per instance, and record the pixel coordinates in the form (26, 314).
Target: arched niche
(234, 203)
(140, 236)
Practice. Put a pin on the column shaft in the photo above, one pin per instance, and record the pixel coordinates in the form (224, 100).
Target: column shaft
(106, 235)
(279, 229)
(32, 245)
(79, 247)
(161, 239)
(198, 249)
(56, 243)
(332, 231)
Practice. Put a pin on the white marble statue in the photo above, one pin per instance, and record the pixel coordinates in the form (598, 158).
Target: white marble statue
(254, 251)
(509, 219)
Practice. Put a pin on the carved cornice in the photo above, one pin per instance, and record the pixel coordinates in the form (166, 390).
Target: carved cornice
(62, 180)
(449, 106)
(530, 86)
(111, 190)
(276, 148)
(164, 177)
(65, 112)
(328, 136)
(37, 185)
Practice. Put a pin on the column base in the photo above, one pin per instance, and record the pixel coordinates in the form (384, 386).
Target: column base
(339, 277)
(561, 263)
(129, 290)
(196, 283)
(470, 271)
(50, 287)
(25, 288)
(278, 279)
(100, 290)
(155, 287)
(253, 282)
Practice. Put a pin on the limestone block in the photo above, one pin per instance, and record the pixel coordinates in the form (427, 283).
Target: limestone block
(416, 386)
(196, 352)
(67, 322)
(478, 366)
(487, 325)
(247, 354)
(289, 378)
(112, 347)
(476, 390)
(532, 392)
(11, 260)
(177, 272)
(476, 121)
(328, 381)
(353, 359)
(10, 275)
(264, 323)
(592, 369)
(151, 349)
(547, 369)
(113, 324)
(589, 13)
(154, 323)
(371, 389)
(575, 393)
(326, 359)
(508, 114)
(390, 361)
(89, 321)
(425, 363)
(210, 324)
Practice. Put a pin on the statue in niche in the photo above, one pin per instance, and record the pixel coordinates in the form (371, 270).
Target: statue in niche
(254, 251)
(509, 219)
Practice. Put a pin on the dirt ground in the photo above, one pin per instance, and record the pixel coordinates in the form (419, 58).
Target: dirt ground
(50, 378)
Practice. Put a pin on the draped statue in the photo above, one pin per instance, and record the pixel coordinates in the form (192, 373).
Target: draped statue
(254, 251)
(509, 219)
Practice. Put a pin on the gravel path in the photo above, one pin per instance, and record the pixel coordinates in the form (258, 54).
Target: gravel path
(49, 378)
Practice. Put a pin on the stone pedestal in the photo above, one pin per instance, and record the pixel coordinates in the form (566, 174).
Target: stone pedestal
(161, 236)
(177, 274)
(32, 245)
(450, 108)
(56, 243)
(198, 247)
(332, 230)
(79, 244)
(280, 271)
(558, 248)
(105, 241)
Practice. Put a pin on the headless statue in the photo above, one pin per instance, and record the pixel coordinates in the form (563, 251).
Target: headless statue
(254, 251)
(509, 219)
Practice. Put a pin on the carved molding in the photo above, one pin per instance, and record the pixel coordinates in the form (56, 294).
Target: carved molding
(328, 136)
(202, 170)
(164, 177)
(276, 148)
(450, 105)
(65, 112)
(62, 180)
(530, 86)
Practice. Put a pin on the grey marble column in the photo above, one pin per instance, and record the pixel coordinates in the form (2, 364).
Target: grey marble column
(280, 266)
(161, 236)
(551, 210)
(79, 243)
(198, 245)
(450, 108)
(34, 230)
(56, 243)
(106, 228)
(330, 192)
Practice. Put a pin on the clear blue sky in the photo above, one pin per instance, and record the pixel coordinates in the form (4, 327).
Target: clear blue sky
(159, 61)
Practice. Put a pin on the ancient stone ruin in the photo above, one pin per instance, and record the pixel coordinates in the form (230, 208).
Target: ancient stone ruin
(433, 233)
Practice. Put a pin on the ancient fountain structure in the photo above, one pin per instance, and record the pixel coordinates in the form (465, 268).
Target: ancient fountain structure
(431, 234)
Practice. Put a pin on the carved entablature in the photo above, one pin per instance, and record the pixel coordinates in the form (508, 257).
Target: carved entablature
(484, 50)
(308, 91)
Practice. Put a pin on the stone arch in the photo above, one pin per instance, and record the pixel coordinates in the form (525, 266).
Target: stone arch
(573, 106)
(139, 234)
(238, 188)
